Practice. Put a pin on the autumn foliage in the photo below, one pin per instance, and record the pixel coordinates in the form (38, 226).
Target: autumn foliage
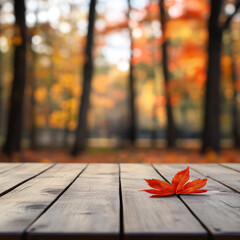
(179, 185)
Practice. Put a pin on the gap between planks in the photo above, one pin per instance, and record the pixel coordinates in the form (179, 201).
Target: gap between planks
(4, 167)
(24, 204)
(226, 176)
(217, 210)
(24, 237)
(15, 177)
(89, 209)
(232, 166)
(154, 218)
(189, 209)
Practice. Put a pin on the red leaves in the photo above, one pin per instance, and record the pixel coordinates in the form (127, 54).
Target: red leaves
(161, 188)
(179, 185)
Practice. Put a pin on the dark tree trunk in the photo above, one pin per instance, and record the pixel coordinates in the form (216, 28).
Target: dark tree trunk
(236, 122)
(81, 131)
(33, 128)
(170, 128)
(211, 130)
(15, 119)
(154, 109)
(1, 86)
(132, 113)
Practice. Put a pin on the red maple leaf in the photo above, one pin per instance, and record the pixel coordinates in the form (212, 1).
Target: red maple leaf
(179, 185)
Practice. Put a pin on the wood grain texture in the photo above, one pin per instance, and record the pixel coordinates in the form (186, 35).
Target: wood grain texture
(153, 218)
(230, 178)
(20, 207)
(20, 174)
(7, 166)
(235, 166)
(89, 209)
(218, 209)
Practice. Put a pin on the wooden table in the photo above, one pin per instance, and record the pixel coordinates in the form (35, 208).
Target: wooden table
(103, 201)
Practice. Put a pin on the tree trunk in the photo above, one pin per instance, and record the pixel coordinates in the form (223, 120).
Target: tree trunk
(15, 120)
(1, 82)
(235, 128)
(211, 130)
(81, 131)
(236, 135)
(170, 128)
(33, 128)
(132, 113)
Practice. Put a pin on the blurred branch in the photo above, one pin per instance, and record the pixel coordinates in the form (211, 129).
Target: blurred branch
(230, 17)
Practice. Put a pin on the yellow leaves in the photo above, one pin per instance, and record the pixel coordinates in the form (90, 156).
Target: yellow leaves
(40, 94)
(65, 117)
(146, 98)
(56, 89)
(194, 31)
(183, 30)
(70, 82)
(58, 119)
(99, 83)
(161, 115)
(77, 91)
(70, 105)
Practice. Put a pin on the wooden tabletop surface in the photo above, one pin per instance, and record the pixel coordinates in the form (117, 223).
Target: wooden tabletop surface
(102, 201)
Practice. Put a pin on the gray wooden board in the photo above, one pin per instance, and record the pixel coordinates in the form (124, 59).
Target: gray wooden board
(235, 166)
(218, 209)
(89, 209)
(20, 207)
(229, 177)
(19, 174)
(7, 166)
(153, 218)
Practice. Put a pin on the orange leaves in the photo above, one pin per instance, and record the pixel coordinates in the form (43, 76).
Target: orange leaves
(180, 179)
(160, 188)
(179, 185)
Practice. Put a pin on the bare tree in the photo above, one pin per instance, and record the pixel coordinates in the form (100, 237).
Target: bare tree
(1, 83)
(132, 110)
(15, 119)
(211, 130)
(81, 131)
(170, 128)
(235, 127)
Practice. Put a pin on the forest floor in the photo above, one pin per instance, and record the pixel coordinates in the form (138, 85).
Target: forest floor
(129, 155)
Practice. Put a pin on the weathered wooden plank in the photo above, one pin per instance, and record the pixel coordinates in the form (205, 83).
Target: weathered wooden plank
(153, 218)
(235, 166)
(218, 209)
(20, 174)
(222, 174)
(89, 209)
(24, 204)
(7, 166)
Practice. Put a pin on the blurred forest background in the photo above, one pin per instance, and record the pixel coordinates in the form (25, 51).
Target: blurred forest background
(120, 75)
